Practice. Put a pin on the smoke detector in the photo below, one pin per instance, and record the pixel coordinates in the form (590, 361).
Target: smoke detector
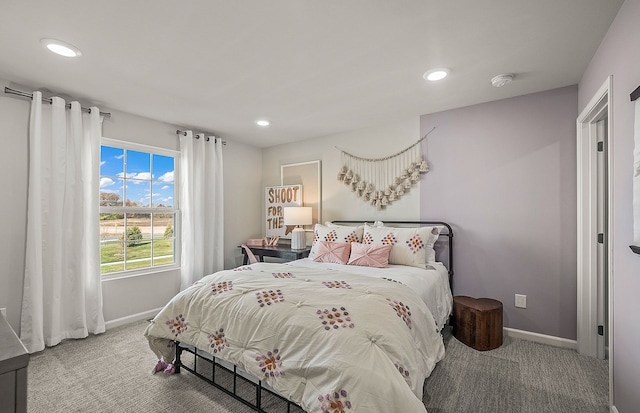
(501, 80)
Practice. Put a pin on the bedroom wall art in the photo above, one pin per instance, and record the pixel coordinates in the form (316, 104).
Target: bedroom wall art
(381, 181)
(276, 198)
(307, 174)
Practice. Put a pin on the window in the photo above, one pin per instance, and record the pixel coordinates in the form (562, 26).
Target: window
(138, 207)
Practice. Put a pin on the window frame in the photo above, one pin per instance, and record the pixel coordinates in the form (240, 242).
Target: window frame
(152, 150)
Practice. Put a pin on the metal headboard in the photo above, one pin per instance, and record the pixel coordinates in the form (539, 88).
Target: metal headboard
(448, 234)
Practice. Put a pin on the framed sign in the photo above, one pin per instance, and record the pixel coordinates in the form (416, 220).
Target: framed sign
(307, 174)
(276, 198)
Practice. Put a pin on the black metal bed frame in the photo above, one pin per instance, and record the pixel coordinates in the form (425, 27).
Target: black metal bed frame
(258, 387)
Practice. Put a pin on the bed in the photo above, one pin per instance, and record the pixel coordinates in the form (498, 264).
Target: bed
(319, 333)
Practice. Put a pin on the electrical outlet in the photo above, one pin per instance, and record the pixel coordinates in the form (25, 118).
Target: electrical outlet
(4, 312)
(521, 301)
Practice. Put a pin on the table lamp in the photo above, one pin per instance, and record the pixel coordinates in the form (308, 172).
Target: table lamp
(298, 216)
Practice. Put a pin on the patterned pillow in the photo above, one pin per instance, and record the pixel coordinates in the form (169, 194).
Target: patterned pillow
(410, 246)
(367, 255)
(334, 234)
(335, 252)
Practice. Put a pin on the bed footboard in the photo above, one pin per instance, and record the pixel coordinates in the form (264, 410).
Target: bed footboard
(237, 383)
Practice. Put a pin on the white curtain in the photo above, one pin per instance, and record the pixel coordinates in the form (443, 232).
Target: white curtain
(62, 294)
(201, 206)
(636, 177)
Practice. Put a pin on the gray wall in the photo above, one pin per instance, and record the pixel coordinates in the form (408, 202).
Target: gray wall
(503, 173)
(128, 298)
(618, 56)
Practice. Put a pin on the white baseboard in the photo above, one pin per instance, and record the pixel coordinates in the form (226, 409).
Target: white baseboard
(541, 338)
(613, 409)
(132, 318)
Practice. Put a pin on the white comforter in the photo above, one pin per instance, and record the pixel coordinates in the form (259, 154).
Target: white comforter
(323, 338)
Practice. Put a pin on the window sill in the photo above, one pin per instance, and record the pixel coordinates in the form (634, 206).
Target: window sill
(140, 272)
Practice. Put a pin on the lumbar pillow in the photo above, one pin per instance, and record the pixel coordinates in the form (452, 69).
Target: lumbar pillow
(369, 255)
(335, 252)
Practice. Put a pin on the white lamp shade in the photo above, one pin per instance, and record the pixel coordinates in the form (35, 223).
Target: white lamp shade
(298, 216)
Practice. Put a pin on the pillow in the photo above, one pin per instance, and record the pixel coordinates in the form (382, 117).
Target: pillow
(367, 255)
(335, 252)
(433, 237)
(430, 253)
(410, 246)
(334, 234)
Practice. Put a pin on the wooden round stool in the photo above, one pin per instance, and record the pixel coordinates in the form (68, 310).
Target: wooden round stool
(477, 322)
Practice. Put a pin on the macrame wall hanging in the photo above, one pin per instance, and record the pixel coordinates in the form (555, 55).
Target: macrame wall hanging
(381, 181)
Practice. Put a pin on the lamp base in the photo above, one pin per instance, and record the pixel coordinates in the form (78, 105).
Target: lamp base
(298, 239)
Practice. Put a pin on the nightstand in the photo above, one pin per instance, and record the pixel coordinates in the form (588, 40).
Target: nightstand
(477, 322)
(279, 251)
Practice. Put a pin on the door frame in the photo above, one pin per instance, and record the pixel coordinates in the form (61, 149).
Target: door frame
(598, 107)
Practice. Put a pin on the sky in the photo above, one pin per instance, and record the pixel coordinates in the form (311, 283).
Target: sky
(144, 178)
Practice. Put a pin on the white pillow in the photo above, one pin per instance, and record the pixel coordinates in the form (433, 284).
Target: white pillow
(334, 234)
(410, 246)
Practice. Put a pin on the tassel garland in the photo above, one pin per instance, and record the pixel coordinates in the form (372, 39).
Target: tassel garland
(381, 181)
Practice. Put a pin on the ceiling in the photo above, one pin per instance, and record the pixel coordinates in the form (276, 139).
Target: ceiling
(312, 67)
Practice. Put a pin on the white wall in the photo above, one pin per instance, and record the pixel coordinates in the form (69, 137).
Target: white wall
(14, 119)
(124, 297)
(338, 202)
(618, 56)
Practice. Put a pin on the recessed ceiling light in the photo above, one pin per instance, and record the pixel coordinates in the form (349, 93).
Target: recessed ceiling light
(436, 74)
(61, 48)
(263, 122)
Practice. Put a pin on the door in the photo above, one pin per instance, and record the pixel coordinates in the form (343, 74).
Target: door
(602, 256)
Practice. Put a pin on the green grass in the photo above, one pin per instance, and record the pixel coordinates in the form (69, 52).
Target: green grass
(113, 252)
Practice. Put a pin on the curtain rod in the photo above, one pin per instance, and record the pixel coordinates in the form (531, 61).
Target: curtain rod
(10, 91)
(184, 133)
(635, 94)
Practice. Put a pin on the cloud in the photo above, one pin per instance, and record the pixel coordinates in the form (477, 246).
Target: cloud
(166, 177)
(102, 162)
(145, 176)
(119, 156)
(165, 187)
(106, 182)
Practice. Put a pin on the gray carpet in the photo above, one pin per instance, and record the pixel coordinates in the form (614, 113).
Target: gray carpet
(111, 373)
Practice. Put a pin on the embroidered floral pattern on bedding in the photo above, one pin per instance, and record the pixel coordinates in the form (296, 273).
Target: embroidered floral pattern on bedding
(283, 275)
(269, 297)
(402, 311)
(335, 318)
(270, 363)
(217, 341)
(220, 287)
(177, 325)
(389, 239)
(335, 403)
(403, 372)
(415, 243)
(336, 284)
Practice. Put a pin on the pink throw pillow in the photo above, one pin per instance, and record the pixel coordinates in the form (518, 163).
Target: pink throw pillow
(335, 252)
(368, 255)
